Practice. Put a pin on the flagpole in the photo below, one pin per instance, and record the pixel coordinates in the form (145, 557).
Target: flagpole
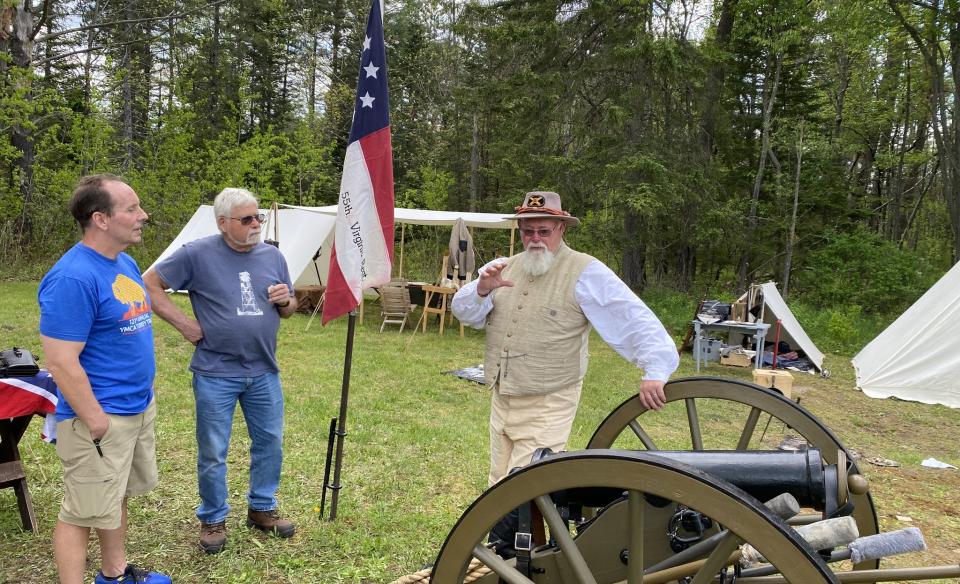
(342, 420)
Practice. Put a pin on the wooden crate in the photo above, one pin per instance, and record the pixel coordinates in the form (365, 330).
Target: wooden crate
(735, 359)
(775, 379)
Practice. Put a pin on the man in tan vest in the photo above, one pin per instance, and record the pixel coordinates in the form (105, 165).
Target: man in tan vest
(537, 308)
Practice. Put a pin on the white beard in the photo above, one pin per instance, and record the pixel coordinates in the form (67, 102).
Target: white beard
(539, 262)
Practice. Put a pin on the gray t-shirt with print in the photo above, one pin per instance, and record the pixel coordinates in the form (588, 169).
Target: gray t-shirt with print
(228, 292)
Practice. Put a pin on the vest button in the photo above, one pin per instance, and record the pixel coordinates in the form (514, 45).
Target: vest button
(530, 280)
(509, 334)
(520, 307)
(525, 292)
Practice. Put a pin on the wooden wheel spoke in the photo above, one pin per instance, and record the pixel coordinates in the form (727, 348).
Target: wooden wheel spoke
(635, 504)
(500, 567)
(696, 438)
(642, 435)
(560, 533)
(749, 428)
(724, 554)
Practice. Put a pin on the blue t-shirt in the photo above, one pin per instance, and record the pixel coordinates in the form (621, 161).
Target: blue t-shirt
(89, 298)
(228, 292)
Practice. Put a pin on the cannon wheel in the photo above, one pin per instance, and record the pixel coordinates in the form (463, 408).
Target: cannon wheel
(639, 474)
(624, 424)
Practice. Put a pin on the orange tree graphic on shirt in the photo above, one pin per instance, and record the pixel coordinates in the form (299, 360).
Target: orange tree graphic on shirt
(132, 294)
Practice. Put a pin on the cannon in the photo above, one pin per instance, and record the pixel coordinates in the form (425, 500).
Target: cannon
(639, 507)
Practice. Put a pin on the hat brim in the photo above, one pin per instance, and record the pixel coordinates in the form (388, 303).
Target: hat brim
(568, 219)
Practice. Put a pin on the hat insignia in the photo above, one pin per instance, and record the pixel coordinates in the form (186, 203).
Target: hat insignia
(535, 201)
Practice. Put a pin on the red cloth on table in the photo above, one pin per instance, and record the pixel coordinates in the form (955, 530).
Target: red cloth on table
(25, 396)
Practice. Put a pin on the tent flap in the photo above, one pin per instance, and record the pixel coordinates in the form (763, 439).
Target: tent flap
(913, 358)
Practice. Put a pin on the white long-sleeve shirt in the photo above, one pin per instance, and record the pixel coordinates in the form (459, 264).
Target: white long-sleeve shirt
(623, 320)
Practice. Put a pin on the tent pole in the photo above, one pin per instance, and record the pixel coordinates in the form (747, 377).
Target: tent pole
(342, 420)
(403, 227)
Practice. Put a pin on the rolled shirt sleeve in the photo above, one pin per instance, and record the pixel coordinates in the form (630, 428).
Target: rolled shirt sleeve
(625, 323)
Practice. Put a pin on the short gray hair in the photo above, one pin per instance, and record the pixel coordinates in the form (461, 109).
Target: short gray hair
(229, 198)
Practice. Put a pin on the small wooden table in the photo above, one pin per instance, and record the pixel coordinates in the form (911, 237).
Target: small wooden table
(441, 309)
(20, 399)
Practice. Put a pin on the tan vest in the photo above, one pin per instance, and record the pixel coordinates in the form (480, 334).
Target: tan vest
(536, 333)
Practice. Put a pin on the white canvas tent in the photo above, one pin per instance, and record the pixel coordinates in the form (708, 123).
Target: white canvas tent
(775, 308)
(303, 231)
(915, 358)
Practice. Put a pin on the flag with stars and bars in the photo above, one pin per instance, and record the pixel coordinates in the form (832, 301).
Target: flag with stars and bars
(362, 255)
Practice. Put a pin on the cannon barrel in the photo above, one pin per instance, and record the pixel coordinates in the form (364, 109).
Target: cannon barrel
(766, 474)
(763, 474)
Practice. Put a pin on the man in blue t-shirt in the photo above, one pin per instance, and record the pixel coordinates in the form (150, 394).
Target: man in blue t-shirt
(239, 288)
(97, 334)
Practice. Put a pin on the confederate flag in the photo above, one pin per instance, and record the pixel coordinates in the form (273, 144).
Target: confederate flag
(362, 254)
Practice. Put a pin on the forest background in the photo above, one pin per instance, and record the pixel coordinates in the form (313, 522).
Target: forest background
(704, 144)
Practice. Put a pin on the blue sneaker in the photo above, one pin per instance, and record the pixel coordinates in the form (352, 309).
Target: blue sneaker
(132, 575)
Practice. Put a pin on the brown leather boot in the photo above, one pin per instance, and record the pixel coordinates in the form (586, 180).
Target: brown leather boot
(271, 522)
(213, 536)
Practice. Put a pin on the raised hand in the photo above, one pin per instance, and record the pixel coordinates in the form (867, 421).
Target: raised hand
(491, 277)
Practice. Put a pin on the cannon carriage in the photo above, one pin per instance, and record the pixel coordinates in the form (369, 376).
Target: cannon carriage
(629, 510)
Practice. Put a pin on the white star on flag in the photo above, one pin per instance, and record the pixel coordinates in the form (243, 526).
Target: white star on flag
(367, 100)
(371, 70)
(366, 43)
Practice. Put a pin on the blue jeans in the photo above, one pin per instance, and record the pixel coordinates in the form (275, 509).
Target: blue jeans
(261, 400)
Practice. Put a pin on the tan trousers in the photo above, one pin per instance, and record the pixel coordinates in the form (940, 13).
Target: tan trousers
(521, 424)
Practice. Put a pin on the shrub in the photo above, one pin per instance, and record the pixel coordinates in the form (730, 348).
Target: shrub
(862, 269)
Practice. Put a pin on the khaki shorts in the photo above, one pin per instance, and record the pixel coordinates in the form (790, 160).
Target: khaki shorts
(94, 486)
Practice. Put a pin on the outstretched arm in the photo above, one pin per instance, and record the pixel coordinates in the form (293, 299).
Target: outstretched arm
(630, 328)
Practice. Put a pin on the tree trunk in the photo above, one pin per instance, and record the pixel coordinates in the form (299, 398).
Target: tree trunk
(475, 166)
(769, 99)
(792, 232)
(19, 45)
(943, 105)
(170, 64)
(312, 78)
(713, 90)
(634, 251)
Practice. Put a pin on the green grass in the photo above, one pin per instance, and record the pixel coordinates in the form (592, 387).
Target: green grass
(416, 454)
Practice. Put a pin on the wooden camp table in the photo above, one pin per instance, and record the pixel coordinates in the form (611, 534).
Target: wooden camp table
(443, 293)
(20, 399)
(758, 330)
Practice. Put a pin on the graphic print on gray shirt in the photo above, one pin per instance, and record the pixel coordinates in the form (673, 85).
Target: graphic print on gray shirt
(228, 292)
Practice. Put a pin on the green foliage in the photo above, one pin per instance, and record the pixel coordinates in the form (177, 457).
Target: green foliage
(862, 269)
(428, 188)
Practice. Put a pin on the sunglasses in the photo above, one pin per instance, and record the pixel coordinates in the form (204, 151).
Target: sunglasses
(260, 217)
(543, 233)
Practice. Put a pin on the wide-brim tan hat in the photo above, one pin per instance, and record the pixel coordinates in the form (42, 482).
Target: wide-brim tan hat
(543, 205)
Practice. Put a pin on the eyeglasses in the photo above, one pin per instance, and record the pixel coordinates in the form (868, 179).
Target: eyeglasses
(260, 217)
(543, 233)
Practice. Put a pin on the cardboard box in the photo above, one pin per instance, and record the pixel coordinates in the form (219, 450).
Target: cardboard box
(736, 359)
(775, 379)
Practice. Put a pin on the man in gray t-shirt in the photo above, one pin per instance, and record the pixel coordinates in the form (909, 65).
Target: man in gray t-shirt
(239, 288)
